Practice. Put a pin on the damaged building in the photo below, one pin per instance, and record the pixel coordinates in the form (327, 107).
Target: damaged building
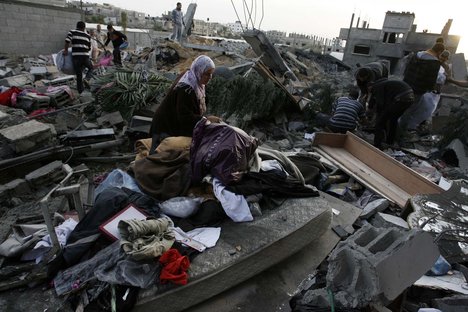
(397, 38)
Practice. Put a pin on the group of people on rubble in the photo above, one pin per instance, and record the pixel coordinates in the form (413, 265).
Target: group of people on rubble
(87, 46)
(396, 105)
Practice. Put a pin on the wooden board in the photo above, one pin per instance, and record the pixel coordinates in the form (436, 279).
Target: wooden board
(373, 168)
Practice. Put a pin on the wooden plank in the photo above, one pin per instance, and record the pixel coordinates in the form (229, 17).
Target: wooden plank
(373, 168)
(366, 175)
(406, 178)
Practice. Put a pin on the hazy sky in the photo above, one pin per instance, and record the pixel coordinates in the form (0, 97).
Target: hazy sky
(314, 17)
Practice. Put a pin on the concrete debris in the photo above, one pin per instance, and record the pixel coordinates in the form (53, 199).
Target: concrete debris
(48, 125)
(28, 136)
(375, 265)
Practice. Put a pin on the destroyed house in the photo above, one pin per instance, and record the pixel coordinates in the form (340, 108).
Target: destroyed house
(397, 38)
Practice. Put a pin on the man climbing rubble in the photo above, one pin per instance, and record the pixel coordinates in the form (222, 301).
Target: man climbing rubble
(117, 38)
(80, 43)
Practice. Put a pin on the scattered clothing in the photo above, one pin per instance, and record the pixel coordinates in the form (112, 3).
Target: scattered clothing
(145, 239)
(175, 267)
(63, 231)
(235, 206)
(164, 175)
(220, 150)
(83, 238)
(24, 236)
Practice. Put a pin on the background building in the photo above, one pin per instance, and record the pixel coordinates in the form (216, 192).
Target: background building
(397, 38)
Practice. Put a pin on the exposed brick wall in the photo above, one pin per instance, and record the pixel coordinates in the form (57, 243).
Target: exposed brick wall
(33, 29)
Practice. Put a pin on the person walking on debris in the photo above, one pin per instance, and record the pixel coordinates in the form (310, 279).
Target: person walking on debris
(185, 104)
(346, 113)
(80, 43)
(420, 73)
(177, 22)
(389, 99)
(117, 39)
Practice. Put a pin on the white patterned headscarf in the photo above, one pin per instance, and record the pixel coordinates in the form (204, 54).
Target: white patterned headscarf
(193, 76)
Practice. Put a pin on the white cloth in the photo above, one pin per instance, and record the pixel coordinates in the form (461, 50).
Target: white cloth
(273, 164)
(235, 206)
(427, 105)
(199, 238)
(63, 231)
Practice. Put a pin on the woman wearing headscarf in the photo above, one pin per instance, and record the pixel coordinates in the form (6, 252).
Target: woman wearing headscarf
(185, 104)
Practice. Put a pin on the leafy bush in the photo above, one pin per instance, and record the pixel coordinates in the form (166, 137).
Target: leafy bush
(126, 91)
(245, 96)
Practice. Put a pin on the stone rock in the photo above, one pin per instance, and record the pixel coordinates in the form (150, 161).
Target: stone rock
(47, 174)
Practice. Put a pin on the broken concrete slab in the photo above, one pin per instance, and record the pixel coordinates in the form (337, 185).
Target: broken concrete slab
(387, 220)
(375, 265)
(45, 175)
(113, 119)
(373, 207)
(27, 136)
(18, 80)
(452, 304)
(268, 53)
(17, 187)
(188, 18)
(459, 70)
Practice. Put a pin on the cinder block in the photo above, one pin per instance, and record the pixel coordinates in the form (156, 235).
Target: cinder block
(45, 175)
(375, 265)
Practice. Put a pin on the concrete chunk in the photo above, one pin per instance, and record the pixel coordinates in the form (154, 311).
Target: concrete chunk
(47, 174)
(375, 265)
(18, 80)
(26, 136)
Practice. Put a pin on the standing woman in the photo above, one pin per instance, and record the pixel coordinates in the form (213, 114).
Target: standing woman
(185, 104)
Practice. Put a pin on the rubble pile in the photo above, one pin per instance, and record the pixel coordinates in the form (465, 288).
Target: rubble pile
(64, 154)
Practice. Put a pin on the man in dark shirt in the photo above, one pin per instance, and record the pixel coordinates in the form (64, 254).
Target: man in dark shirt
(389, 99)
(80, 43)
(117, 39)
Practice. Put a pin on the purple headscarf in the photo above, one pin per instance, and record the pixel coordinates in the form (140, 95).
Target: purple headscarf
(193, 76)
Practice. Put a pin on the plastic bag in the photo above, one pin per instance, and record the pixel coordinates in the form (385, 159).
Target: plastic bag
(117, 178)
(65, 63)
(181, 207)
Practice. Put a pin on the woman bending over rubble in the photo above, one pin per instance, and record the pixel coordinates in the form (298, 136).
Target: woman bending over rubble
(184, 105)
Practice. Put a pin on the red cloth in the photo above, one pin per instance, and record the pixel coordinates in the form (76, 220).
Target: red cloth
(8, 97)
(175, 267)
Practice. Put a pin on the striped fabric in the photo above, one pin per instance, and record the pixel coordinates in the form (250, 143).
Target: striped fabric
(346, 113)
(80, 42)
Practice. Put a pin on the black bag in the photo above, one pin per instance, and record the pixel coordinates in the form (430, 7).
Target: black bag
(421, 74)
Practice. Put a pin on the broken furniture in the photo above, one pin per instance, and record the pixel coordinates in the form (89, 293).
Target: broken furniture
(74, 196)
(373, 168)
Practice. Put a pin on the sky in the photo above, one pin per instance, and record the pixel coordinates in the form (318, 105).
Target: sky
(316, 17)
